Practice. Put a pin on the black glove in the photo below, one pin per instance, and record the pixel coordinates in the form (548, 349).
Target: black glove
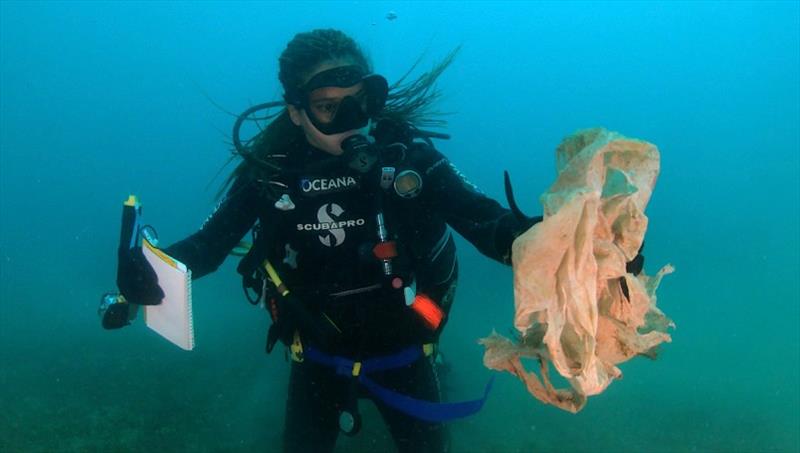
(636, 265)
(511, 226)
(293, 316)
(524, 222)
(136, 279)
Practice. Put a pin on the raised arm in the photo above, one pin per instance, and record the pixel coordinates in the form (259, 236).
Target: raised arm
(490, 227)
(204, 251)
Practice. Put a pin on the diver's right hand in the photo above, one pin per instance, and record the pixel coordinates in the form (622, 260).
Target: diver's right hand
(293, 316)
(136, 279)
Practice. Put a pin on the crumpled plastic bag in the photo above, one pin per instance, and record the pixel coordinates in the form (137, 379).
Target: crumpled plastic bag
(570, 280)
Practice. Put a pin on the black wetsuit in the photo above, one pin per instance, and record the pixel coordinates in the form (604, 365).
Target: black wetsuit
(321, 239)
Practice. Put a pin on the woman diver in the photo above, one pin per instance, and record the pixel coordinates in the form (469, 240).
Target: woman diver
(351, 205)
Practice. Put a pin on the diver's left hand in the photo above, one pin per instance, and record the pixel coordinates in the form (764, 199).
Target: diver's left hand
(136, 279)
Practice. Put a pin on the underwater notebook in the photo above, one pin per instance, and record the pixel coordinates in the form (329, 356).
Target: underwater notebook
(172, 318)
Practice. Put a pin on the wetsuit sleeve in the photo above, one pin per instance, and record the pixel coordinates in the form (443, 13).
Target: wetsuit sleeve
(204, 251)
(482, 221)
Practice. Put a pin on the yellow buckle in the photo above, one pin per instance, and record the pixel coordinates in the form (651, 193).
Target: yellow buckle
(428, 349)
(297, 348)
(356, 368)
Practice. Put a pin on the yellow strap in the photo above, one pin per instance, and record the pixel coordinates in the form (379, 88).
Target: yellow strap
(158, 252)
(356, 368)
(275, 278)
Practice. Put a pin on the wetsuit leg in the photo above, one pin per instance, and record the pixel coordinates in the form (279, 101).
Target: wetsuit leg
(312, 409)
(418, 380)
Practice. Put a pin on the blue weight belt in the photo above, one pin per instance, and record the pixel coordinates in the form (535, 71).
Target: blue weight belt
(421, 409)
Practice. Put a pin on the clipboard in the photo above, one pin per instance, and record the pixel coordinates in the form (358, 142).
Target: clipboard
(172, 318)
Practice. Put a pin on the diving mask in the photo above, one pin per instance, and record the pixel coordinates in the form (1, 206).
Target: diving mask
(333, 114)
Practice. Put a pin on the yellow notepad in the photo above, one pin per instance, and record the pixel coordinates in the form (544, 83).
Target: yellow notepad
(172, 319)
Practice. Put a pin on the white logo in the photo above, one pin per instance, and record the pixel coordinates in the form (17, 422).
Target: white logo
(324, 217)
(284, 203)
(328, 215)
(327, 185)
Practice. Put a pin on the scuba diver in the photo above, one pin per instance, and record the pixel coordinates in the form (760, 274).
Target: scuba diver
(349, 204)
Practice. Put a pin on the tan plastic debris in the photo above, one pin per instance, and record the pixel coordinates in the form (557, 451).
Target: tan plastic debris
(571, 310)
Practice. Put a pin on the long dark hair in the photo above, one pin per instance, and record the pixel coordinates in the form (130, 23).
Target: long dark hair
(410, 102)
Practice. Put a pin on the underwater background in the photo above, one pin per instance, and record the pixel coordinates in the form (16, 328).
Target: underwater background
(99, 100)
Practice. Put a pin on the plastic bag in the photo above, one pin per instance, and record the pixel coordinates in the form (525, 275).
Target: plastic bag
(577, 307)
